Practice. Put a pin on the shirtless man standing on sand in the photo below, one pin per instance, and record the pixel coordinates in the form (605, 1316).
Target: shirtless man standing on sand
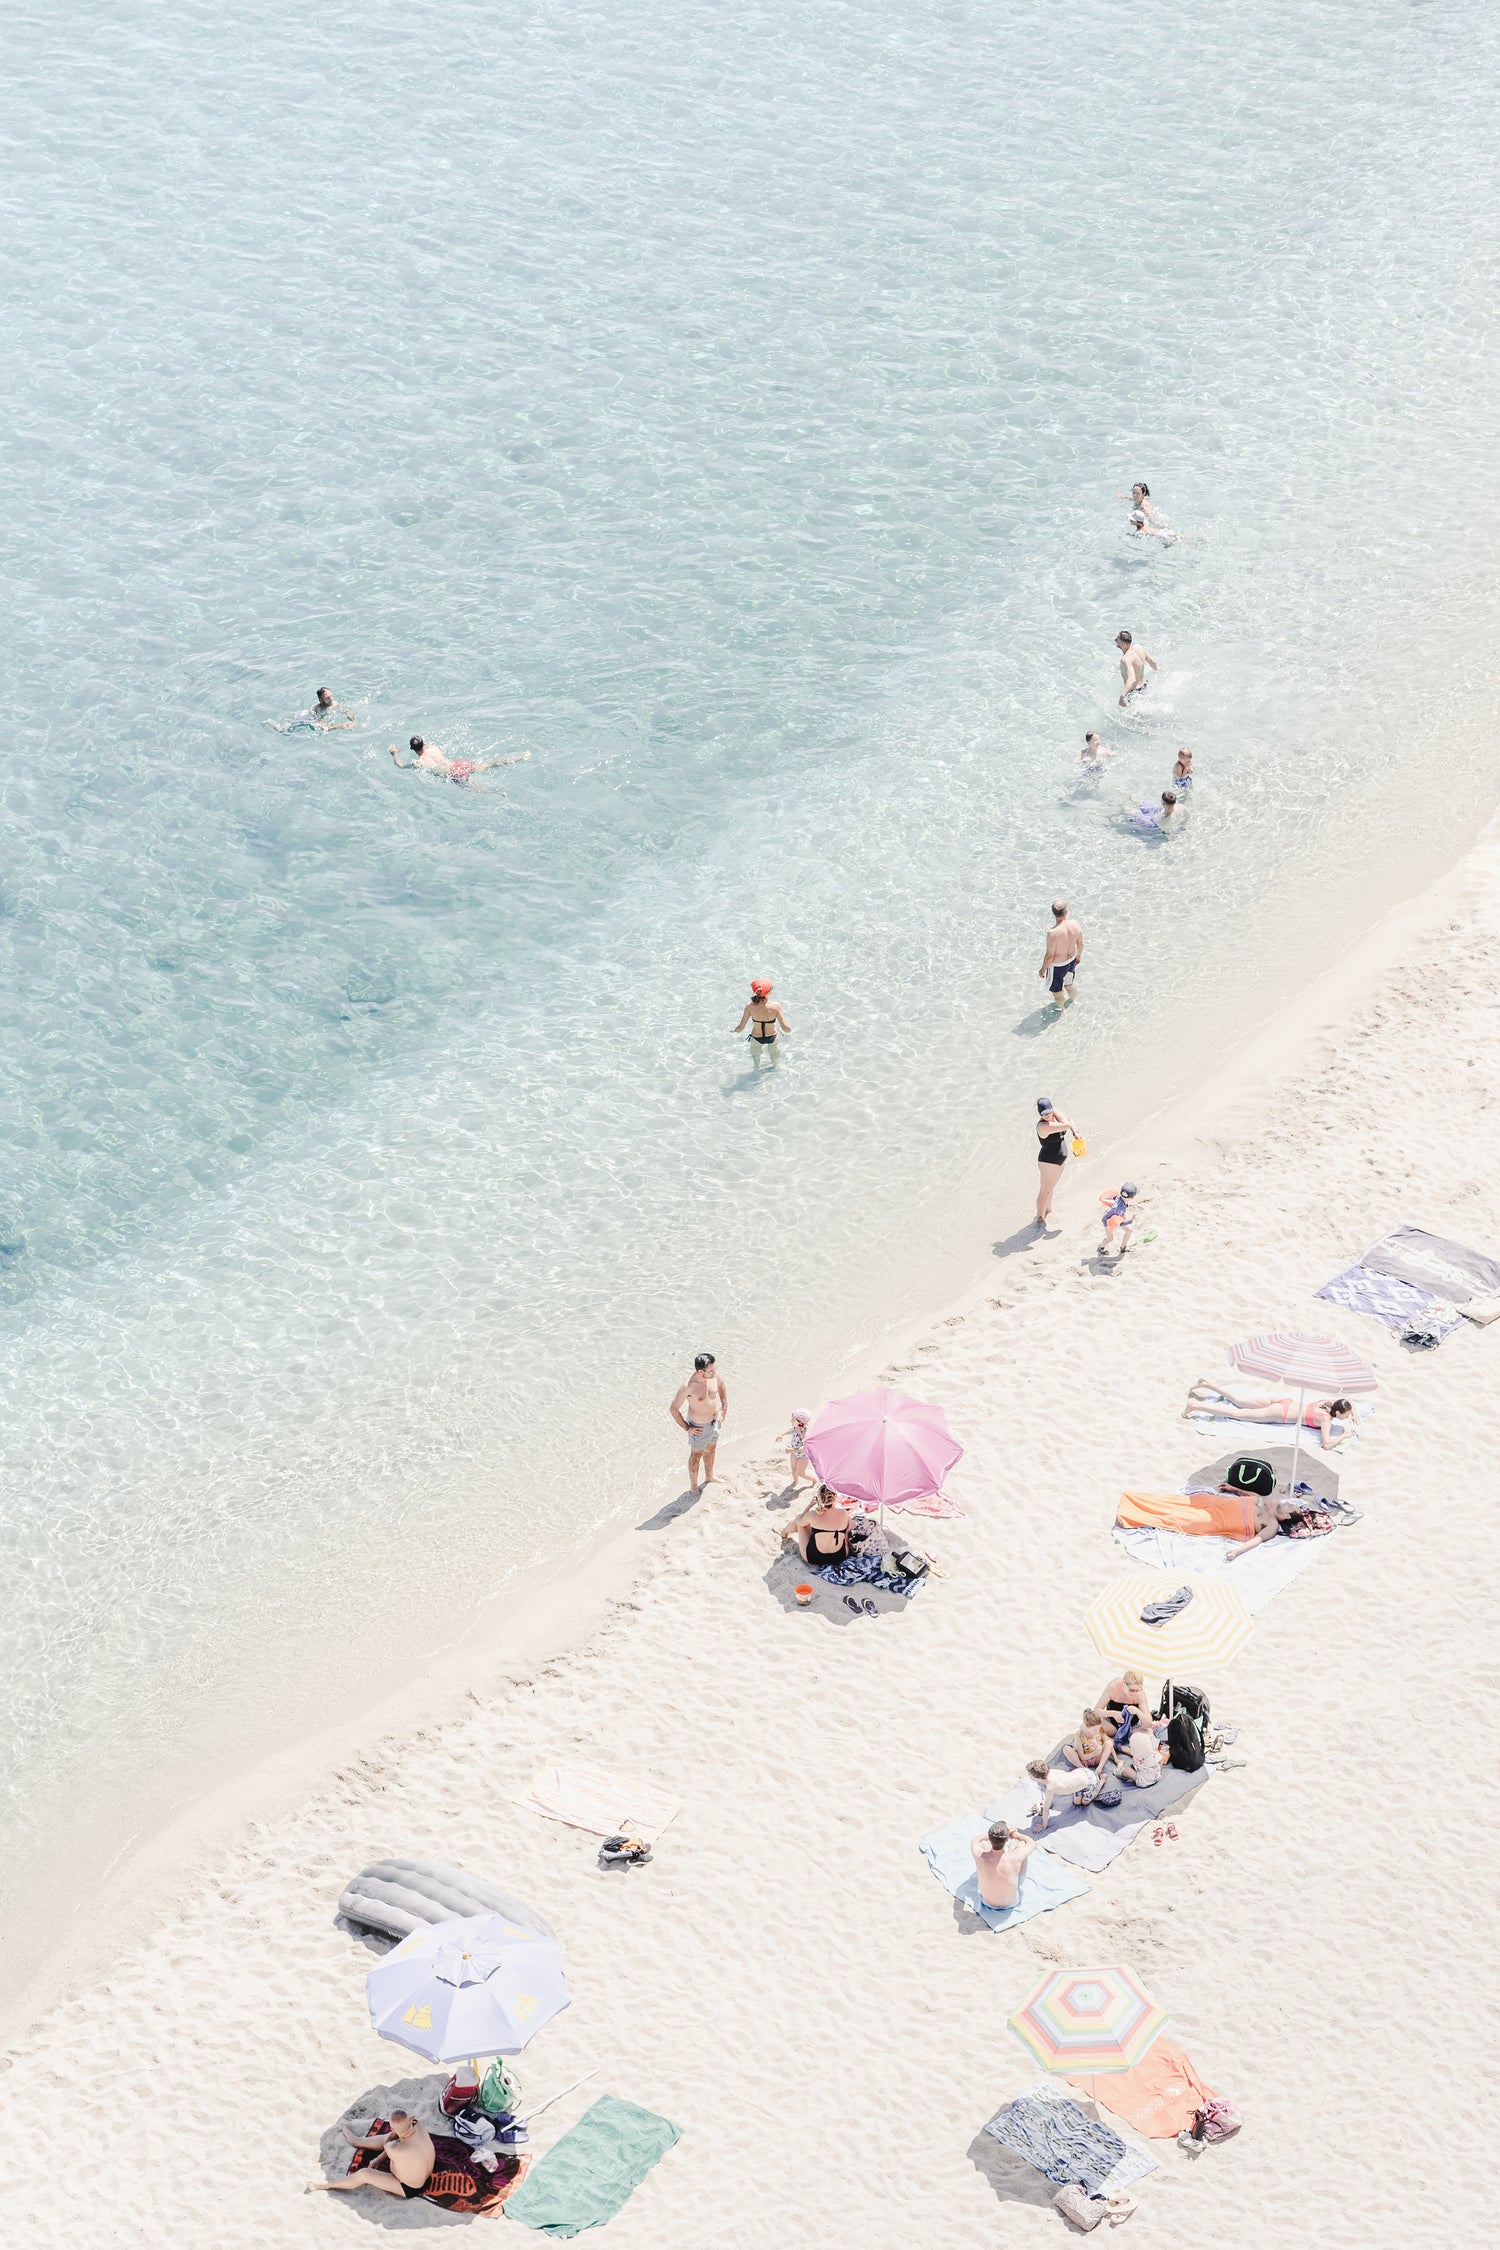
(999, 1861)
(408, 2150)
(701, 1407)
(1062, 955)
(1133, 662)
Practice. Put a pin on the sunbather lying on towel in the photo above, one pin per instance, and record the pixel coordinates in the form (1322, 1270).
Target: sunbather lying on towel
(1220, 1515)
(999, 1862)
(1270, 1518)
(1323, 1415)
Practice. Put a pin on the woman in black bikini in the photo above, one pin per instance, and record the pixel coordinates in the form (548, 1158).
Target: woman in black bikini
(1052, 1130)
(763, 1015)
(822, 1530)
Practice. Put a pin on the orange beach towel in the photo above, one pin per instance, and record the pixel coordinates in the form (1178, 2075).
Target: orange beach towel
(1158, 2097)
(1228, 1515)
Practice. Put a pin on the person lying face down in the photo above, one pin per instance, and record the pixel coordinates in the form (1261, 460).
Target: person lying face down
(1000, 1858)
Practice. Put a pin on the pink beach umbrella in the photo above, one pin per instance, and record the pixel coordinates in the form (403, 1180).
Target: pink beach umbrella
(883, 1448)
(1307, 1363)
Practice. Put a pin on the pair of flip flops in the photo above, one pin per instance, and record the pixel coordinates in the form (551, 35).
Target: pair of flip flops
(865, 1608)
(1166, 1833)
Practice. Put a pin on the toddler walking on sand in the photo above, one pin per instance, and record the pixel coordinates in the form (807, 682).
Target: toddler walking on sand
(796, 1444)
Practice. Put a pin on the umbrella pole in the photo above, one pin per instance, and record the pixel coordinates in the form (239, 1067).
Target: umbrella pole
(1297, 1441)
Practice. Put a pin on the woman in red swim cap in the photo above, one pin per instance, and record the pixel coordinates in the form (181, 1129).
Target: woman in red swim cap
(763, 1015)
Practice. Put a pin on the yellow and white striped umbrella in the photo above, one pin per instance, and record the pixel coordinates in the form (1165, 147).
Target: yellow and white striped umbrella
(1213, 1627)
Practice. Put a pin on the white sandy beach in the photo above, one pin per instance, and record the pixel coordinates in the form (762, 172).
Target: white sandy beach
(787, 1982)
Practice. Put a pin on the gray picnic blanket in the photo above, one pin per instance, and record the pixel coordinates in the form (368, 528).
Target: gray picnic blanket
(1431, 1261)
(1091, 1836)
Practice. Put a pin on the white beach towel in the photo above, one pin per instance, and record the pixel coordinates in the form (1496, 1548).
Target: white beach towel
(606, 1804)
(1259, 1575)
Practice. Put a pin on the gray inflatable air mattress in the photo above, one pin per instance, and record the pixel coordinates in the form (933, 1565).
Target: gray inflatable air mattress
(396, 1896)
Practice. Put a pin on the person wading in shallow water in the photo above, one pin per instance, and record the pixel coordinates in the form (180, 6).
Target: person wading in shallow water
(701, 1407)
(1062, 955)
(765, 1019)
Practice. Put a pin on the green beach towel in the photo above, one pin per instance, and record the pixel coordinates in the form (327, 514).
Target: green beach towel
(583, 2181)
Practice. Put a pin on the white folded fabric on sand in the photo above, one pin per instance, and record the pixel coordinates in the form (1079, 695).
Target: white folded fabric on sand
(607, 1804)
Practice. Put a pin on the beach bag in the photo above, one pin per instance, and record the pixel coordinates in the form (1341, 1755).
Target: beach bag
(499, 2091)
(457, 2094)
(1185, 1742)
(1216, 2121)
(1108, 1797)
(1183, 1698)
(1247, 1474)
(1085, 2210)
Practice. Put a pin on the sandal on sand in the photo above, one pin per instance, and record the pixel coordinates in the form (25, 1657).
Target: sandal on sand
(851, 1603)
(1157, 1834)
(1172, 1830)
(870, 1608)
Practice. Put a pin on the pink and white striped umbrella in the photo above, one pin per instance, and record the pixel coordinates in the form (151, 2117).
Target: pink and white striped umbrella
(1309, 1363)
(883, 1448)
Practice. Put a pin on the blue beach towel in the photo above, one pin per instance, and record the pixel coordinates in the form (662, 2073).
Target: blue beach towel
(584, 2179)
(1045, 1881)
(1054, 2132)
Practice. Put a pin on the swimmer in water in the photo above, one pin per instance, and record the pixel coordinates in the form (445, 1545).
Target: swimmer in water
(430, 759)
(764, 1017)
(1140, 499)
(1141, 529)
(1133, 662)
(323, 716)
(1165, 818)
(1182, 771)
(1091, 757)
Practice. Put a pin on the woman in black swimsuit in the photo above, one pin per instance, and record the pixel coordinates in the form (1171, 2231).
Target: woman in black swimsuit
(764, 1016)
(1052, 1130)
(822, 1530)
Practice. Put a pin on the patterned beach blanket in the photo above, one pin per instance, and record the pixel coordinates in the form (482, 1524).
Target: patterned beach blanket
(459, 2182)
(1064, 2143)
(1392, 1302)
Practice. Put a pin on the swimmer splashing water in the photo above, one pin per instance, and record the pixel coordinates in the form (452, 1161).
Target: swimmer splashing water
(428, 758)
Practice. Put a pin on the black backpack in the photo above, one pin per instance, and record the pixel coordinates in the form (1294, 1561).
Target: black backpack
(1184, 1698)
(1185, 1742)
(1249, 1475)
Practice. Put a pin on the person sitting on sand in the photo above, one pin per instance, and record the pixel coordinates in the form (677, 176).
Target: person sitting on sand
(1089, 1753)
(1322, 1415)
(408, 2150)
(1000, 1858)
(796, 1448)
(822, 1530)
(430, 759)
(1125, 1693)
(1142, 1760)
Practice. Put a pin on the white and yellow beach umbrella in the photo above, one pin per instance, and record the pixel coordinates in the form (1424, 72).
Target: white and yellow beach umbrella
(479, 1985)
(1203, 1637)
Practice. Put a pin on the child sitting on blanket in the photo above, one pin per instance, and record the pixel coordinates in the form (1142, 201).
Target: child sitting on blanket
(1145, 1758)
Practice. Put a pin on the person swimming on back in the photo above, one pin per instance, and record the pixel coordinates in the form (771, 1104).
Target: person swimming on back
(430, 759)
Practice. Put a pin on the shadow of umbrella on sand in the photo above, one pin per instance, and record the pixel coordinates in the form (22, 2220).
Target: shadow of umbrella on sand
(1311, 1471)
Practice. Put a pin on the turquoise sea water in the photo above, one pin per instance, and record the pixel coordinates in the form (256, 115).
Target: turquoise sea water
(730, 410)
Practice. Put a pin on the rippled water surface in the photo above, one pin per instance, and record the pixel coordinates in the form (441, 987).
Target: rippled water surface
(730, 410)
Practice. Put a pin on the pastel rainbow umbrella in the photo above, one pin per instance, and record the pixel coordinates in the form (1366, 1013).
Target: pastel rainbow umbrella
(478, 1985)
(1205, 1636)
(883, 1448)
(1088, 2021)
(1320, 1364)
